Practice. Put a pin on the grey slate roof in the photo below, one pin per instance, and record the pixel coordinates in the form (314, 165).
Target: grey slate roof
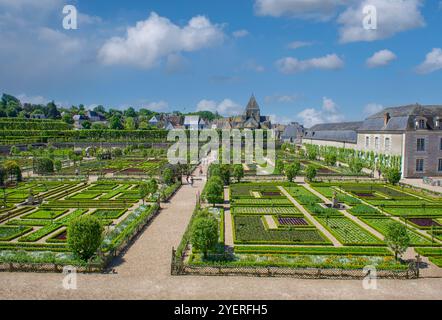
(410, 110)
(402, 118)
(333, 135)
(336, 126)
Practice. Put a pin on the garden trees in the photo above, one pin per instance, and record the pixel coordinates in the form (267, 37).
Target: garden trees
(311, 173)
(222, 171)
(312, 153)
(355, 165)
(214, 190)
(85, 236)
(12, 170)
(393, 175)
(14, 151)
(168, 176)
(204, 236)
(330, 159)
(3, 176)
(129, 123)
(225, 174)
(152, 187)
(279, 166)
(58, 165)
(238, 172)
(397, 238)
(214, 170)
(292, 170)
(143, 191)
(115, 123)
(86, 124)
(43, 165)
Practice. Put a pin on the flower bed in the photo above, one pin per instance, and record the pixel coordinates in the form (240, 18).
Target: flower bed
(250, 229)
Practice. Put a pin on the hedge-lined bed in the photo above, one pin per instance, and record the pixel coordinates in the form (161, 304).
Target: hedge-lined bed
(381, 224)
(251, 230)
(367, 251)
(348, 232)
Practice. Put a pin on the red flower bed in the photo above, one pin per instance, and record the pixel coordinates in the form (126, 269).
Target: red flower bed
(292, 221)
(424, 222)
(270, 193)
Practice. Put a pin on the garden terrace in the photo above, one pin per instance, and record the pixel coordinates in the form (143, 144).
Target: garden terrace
(381, 225)
(43, 227)
(252, 230)
(348, 232)
(302, 195)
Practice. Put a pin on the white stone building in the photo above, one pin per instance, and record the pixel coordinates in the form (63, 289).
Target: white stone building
(413, 132)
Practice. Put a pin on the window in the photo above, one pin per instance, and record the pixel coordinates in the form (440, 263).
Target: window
(420, 165)
(367, 142)
(440, 147)
(440, 165)
(421, 124)
(376, 143)
(387, 144)
(421, 144)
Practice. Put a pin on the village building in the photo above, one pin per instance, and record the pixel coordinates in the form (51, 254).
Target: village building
(413, 132)
(250, 119)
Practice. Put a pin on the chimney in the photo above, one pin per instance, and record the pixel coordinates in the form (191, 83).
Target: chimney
(386, 118)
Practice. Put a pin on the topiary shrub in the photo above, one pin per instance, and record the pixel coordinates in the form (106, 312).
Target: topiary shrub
(84, 236)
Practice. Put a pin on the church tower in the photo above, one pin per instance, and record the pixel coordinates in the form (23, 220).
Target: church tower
(252, 110)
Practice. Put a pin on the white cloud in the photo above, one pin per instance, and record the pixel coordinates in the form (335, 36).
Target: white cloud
(61, 41)
(305, 9)
(380, 59)
(433, 62)
(157, 37)
(393, 16)
(291, 65)
(309, 117)
(240, 33)
(20, 4)
(32, 99)
(275, 119)
(299, 44)
(84, 19)
(280, 98)
(252, 65)
(329, 105)
(227, 107)
(328, 113)
(372, 108)
(159, 106)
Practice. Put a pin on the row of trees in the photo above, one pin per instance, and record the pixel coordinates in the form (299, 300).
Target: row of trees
(128, 119)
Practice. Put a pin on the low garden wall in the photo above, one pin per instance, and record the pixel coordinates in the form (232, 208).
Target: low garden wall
(179, 267)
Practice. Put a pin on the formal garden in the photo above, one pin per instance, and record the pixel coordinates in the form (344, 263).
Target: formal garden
(76, 222)
(317, 224)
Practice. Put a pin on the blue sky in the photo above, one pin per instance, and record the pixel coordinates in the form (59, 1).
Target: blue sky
(304, 61)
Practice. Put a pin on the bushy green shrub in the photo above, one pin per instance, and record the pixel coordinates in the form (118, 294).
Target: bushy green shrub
(85, 236)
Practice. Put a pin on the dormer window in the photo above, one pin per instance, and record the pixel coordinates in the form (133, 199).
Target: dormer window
(438, 124)
(421, 124)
